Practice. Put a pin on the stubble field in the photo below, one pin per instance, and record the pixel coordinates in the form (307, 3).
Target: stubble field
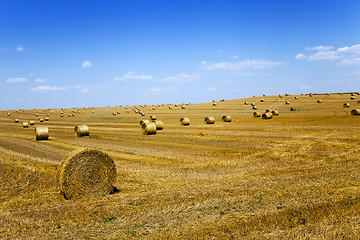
(295, 176)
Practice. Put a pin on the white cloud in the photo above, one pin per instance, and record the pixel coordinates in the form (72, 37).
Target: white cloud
(155, 90)
(181, 77)
(344, 55)
(85, 90)
(47, 89)
(39, 80)
(132, 76)
(16, 80)
(86, 64)
(300, 56)
(239, 66)
(19, 49)
(235, 57)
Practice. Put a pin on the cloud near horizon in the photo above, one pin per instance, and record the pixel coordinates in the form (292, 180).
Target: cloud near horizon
(344, 55)
(16, 80)
(132, 76)
(44, 88)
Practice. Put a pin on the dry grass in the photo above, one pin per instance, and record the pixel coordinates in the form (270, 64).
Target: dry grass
(295, 176)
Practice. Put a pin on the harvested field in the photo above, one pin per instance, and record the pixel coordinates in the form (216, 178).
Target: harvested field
(296, 175)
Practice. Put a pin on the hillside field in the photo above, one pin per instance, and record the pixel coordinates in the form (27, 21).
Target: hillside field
(295, 176)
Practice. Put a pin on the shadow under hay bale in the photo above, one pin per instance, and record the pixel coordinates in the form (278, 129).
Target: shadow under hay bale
(82, 130)
(148, 128)
(41, 133)
(185, 121)
(87, 173)
(226, 118)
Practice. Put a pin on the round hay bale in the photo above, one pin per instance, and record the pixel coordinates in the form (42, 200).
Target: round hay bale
(287, 103)
(310, 94)
(46, 119)
(25, 124)
(246, 103)
(296, 98)
(170, 107)
(261, 100)
(214, 104)
(159, 124)
(252, 104)
(36, 114)
(9, 114)
(41, 120)
(355, 112)
(69, 115)
(182, 107)
(73, 114)
(152, 118)
(209, 120)
(254, 108)
(148, 128)
(264, 95)
(32, 123)
(226, 118)
(114, 113)
(87, 173)
(353, 94)
(280, 96)
(347, 105)
(319, 101)
(185, 121)
(257, 114)
(267, 115)
(352, 98)
(143, 114)
(275, 113)
(267, 110)
(48, 115)
(143, 121)
(41, 133)
(293, 109)
(82, 130)
(16, 120)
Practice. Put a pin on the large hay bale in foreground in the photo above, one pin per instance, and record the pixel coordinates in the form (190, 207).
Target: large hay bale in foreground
(41, 133)
(143, 121)
(86, 173)
(82, 130)
(159, 124)
(226, 118)
(185, 121)
(355, 112)
(148, 128)
(209, 120)
(267, 115)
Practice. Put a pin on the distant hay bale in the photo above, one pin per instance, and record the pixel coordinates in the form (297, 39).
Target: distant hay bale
(209, 120)
(152, 117)
(185, 121)
(16, 120)
(214, 104)
(32, 123)
(114, 113)
(61, 115)
(355, 112)
(264, 95)
(82, 130)
(170, 107)
(280, 96)
(128, 111)
(246, 103)
(286, 94)
(222, 100)
(41, 120)
(287, 103)
(267, 110)
(143, 121)
(275, 113)
(293, 109)
(226, 118)
(48, 115)
(183, 107)
(69, 115)
(87, 173)
(46, 119)
(143, 114)
(261, 100)
(347, 105)
(252, 104)
(25, 124)
(9, 114)
(319, 101)
(267, 115)
(254, 108)
(73, 114)
(41, 133)
(36, 114)
(154, 108)
(148, 128)
(159, 124)
(213, 100)
(352, 98)
(353, 94)
(310, 94)
(257, 114)
(296, 98)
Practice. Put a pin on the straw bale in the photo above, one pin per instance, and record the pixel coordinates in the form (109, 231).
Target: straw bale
(209, 120)
(185, 121)
(159, 124)
(257, 114)
(296, 98)
(41, 120)
(214, 104)
(275, 113)
(226, 118)
(246, 103)
(16, 120)
(254, 108)
(46, 119)
(261, 100)
(9, 114)
(143, 121)
(252, 104)
(87, 173)
(280, 96)
(352, 98)
(267, 115)
(170, 107)
(346, 105)
(82, 130)
(148, 128)
(32, 123)
(355, 112)
(183, 107)
(25, 124)
(292, 109)
(152, 117)
(287, 103)
(41, 133)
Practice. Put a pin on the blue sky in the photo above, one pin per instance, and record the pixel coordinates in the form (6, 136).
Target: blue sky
(99, 53)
